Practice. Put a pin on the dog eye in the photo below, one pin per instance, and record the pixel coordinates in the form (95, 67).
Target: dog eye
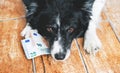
(70, 30)
(50, 29)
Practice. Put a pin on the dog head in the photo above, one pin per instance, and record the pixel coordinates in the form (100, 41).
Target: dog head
(60, 21)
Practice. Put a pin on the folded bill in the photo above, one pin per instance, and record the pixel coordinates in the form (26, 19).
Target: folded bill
(34, 46)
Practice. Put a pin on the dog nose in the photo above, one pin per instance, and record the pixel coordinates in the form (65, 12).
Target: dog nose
(59, 56)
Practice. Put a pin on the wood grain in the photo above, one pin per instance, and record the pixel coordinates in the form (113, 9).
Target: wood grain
(112, 11)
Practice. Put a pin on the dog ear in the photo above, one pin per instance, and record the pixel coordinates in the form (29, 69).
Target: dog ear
(88, 5)
(31, 7)
(83, 10)
(83, 4)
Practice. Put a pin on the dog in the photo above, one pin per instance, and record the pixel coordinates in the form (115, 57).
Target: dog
(61, 21)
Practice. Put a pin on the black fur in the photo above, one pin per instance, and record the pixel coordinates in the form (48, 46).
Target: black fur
(74, 18)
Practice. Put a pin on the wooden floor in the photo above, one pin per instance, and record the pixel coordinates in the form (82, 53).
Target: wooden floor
(107, 60)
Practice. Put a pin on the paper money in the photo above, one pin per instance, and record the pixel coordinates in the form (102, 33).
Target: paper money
(34, 46)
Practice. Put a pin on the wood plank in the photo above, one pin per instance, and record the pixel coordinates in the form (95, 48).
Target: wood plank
(112, 11)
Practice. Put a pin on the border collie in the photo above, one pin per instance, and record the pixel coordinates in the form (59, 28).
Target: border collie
(61, 21)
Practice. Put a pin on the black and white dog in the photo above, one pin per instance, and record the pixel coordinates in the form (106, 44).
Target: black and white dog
(60, 21)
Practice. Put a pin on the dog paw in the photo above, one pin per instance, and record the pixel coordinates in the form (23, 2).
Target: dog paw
(26, 31)
(92, 44)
